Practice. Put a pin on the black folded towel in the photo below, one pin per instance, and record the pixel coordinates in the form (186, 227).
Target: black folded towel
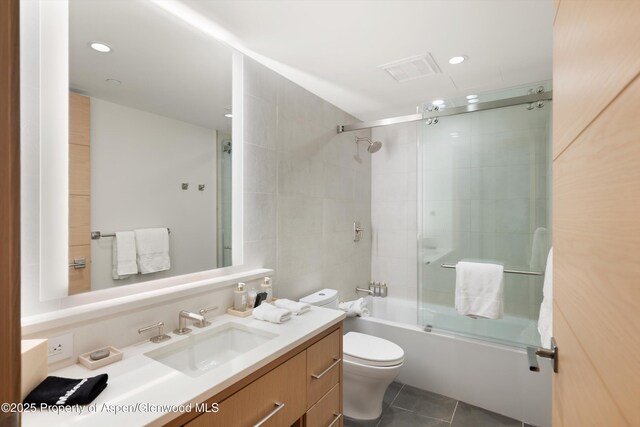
(67, 391)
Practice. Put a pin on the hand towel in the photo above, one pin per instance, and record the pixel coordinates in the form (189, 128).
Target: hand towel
(355, 308)
(540, 249)
(123, 249)
(67, 391)
(545, 321)
(297, 308)
(269, 313)
(479, 289)
(152, 245)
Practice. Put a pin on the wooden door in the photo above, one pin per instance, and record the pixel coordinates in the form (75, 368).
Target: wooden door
(79, 192)
(9, 209)
(596, 210)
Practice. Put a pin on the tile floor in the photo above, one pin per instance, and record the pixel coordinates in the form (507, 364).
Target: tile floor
(406, 406)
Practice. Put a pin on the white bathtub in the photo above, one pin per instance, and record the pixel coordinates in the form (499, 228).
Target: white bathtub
(491, 375)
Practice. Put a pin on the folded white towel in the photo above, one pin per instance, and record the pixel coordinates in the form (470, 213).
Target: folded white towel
(152, 245)
(297, 308)
(269, 313)
(123, 250)
(355, 308)
(479, 289)
(545, 321)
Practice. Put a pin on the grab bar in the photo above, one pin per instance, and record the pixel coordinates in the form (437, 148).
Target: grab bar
(525, 272)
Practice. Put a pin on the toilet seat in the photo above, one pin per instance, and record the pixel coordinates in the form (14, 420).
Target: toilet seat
(371, 351)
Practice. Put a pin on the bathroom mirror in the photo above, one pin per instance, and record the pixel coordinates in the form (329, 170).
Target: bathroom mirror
(148, 146)
(150, 143)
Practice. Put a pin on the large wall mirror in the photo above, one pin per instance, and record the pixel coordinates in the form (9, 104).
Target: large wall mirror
(150, 146)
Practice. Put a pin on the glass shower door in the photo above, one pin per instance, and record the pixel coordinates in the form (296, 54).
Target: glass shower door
(484, 195)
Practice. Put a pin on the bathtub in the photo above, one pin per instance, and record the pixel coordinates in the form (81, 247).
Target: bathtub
(489, 374)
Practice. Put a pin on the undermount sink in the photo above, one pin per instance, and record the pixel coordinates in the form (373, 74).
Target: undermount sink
(202, 352)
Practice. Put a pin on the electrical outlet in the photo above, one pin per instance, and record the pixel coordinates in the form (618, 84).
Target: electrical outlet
(60, 348)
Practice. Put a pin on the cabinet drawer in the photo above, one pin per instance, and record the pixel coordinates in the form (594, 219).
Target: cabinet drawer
(323, 367)
(326, 412)
(282, 387)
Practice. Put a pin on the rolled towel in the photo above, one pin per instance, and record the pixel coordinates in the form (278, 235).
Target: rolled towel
(355, 308)
(297, 308)
(67, 391)
(269, 313)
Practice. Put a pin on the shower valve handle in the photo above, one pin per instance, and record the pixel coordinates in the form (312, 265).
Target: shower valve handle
(357, 231)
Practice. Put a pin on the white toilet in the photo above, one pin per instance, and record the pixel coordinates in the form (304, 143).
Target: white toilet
(370, 364)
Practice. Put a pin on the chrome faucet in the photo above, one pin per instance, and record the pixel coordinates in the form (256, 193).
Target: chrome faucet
(182, 321)
(369, 291)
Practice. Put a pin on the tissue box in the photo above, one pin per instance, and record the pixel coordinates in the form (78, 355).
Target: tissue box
(34, 365)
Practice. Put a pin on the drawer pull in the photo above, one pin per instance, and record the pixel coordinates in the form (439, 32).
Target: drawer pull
(335, 420)
(279, 405)
(321, 374)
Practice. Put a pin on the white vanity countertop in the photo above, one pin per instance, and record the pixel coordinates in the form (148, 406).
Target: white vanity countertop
(138, 379)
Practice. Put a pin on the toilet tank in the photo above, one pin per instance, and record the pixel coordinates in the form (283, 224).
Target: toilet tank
(327, 298)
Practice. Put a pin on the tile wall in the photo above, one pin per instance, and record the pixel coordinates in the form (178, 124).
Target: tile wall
(304, 185)
(393, 210)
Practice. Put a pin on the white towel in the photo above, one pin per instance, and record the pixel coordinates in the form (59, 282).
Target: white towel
(269, 313)
(152, 245)
(123, 249)
(355, 308)
(479, 289)
(297, 308)
(540, 249)
(545, 321)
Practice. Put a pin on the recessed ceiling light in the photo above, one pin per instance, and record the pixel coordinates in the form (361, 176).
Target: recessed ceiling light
(229, 115)
(100, 47)
(114, 82)
(458, 59)
(472, 96)
(437, 102)
(473, 101)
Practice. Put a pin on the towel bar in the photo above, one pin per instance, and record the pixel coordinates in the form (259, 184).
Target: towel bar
(95, 235)
(525, 272)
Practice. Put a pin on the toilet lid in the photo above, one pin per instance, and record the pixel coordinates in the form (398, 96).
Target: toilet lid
(369, 350)
(323, 297)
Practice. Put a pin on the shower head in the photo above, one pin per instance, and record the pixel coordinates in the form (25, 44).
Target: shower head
(373, 147)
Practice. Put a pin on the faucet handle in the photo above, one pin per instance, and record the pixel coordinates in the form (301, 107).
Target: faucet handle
(204, 311)
(156, 338)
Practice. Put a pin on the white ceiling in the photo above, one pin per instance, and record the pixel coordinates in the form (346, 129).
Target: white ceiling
(166, 67)
(334, 48)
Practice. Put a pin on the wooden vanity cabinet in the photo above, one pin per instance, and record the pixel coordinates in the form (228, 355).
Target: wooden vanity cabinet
(302, 388)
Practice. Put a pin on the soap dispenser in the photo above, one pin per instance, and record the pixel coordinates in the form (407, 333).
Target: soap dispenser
(240, 298)
(266, 287)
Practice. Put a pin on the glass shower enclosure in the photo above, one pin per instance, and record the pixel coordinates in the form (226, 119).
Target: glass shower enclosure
(484, 195)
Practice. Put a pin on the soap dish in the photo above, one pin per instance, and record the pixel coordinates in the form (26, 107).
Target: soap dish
(114, 356)
(245, 313)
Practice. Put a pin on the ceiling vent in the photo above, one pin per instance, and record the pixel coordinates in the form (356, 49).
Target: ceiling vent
(412, 68)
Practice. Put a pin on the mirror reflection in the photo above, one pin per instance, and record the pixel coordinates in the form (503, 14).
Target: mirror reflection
(149, 146)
